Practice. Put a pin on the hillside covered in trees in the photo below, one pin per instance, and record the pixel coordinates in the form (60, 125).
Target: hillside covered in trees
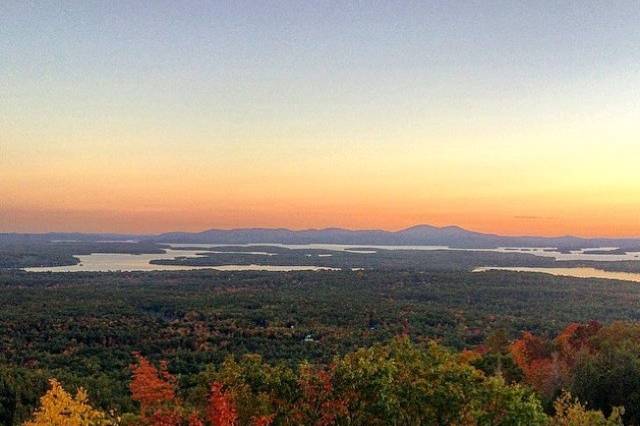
(266, 333)
(399, 383)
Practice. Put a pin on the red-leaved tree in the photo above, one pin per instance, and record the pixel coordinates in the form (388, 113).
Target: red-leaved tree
(221, 410)
(155, 391)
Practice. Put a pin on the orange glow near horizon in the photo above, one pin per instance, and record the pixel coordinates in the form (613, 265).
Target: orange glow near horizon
(151, 222)
(485, 181)
(511, 187)
(357, 206)
(514, 188)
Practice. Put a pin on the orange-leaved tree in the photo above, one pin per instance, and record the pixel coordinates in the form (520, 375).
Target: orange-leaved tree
(155, 391)
(548, 365)
(535, 357)
(221, 410)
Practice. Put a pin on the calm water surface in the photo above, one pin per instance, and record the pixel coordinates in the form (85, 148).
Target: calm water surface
(110, 262)
(104, 262)
(569, 272)
(582, 254)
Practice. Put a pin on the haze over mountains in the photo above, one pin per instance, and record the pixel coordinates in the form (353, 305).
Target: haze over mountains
(452, 236)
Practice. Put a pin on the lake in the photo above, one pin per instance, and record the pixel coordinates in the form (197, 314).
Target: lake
(105, 262)
(581, 254)
(569, 272)
(109, 262)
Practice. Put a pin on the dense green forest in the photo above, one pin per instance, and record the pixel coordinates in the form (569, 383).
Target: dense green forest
(82, 328)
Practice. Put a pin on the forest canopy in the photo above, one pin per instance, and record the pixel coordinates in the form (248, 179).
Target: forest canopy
(84, 330)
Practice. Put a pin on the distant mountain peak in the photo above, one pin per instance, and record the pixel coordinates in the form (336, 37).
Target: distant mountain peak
(421, 227)
(431, 228)
(454, 228)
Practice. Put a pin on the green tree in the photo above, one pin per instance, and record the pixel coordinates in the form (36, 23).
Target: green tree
(402, 384)
(8, 399)
(609, 375)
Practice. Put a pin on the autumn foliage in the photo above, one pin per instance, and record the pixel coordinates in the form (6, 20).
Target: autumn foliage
(547, 365)
(318, 404)
(221, 410)
(59, 408)
(571, 412)
(396, 383)
(151, 387)
(154, 390)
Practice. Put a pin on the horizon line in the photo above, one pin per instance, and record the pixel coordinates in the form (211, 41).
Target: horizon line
(328, 228)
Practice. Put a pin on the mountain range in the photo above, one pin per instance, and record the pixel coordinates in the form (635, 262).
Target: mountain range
(452, 236)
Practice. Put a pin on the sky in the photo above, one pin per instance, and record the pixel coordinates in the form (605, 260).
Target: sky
(143, 117)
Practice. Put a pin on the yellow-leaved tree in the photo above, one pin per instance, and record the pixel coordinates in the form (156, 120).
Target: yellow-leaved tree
(59, 408)
(570, 412)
